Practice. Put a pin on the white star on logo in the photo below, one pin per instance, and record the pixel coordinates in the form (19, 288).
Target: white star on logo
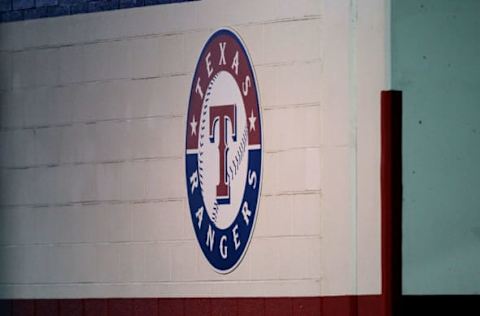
(193, 125)
(252, 120)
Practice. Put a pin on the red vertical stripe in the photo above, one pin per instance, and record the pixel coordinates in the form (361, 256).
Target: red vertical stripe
(391, 196)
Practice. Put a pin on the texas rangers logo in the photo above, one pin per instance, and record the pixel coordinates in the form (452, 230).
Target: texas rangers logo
(223, 150)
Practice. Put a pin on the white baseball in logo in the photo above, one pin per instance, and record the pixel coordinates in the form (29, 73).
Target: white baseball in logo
(223, 90)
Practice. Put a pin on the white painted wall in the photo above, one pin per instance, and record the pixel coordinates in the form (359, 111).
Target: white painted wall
(92, 188)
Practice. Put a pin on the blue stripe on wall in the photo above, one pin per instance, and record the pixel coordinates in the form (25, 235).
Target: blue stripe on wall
(17, 10)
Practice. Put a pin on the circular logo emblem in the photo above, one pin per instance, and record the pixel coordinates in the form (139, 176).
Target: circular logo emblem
(223, 150)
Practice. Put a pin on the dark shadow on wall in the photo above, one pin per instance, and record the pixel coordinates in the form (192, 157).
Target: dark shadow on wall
(5, 307)
(413, 305)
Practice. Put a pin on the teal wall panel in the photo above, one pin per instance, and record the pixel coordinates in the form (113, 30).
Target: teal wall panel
(435, 61)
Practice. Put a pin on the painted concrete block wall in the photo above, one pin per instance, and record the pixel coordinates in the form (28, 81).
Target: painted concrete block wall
(93, 108)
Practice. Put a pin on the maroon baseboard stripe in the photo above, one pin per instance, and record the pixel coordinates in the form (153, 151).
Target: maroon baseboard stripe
(369, 305)
(282, 306)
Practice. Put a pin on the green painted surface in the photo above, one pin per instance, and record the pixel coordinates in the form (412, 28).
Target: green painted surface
(436, 62)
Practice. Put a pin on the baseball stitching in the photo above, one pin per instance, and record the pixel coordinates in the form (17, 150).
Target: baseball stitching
(233, 164)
